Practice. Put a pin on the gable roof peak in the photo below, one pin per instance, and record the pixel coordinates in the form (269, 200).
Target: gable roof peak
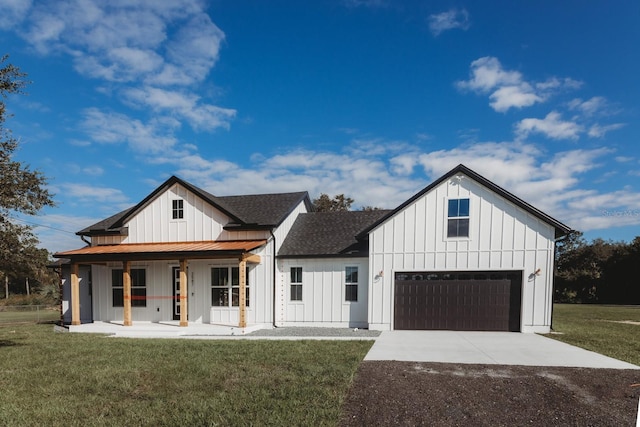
(262, 210)
(561, 229)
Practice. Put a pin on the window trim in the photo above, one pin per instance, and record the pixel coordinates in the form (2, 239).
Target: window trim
(233, 284)
(348, 295)
(458, 218)
(177, 209)
(295, 285)
(137, 289)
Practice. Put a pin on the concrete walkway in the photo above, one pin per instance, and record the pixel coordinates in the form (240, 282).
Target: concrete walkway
(499, 348)
(206, 331)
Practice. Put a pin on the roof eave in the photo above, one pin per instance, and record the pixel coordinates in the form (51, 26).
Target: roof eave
(153, 256)
(248, 227)
(307, 256)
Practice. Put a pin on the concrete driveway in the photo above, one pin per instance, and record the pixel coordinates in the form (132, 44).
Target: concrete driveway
(497, 348)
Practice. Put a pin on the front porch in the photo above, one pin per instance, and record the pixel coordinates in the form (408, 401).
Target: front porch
(168, 329)
(130, 284)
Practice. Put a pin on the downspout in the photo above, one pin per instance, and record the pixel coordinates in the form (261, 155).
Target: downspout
(85, 240)
(273, 238)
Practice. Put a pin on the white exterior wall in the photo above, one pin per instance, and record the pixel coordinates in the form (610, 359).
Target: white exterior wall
(501, 237)
(201, 222)
(159, 293)
(323, 293)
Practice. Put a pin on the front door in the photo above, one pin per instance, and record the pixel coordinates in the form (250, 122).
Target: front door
(176, 292)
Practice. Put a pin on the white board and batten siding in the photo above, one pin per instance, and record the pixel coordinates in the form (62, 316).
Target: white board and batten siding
(323, 294)
(502, 237)
(201, 221)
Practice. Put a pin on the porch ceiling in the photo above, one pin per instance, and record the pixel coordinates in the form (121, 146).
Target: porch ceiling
(162, 251)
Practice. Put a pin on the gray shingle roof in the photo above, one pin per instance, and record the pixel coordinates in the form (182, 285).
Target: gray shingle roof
(262, 209)
(329, 234)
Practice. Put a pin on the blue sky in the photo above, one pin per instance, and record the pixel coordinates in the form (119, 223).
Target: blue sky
(371, 98)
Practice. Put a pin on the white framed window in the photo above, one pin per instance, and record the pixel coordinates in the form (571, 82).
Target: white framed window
(351, 284)
(458, 218)
(296, 283)
(225, 287)
(138, 287)
(177, 209)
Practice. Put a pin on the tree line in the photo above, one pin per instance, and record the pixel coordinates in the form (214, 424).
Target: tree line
(599, 271)
(22, 191)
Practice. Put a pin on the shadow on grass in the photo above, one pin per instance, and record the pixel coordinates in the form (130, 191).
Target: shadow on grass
(8, 343)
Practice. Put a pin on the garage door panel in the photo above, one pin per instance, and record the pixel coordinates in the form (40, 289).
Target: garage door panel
(469, 304)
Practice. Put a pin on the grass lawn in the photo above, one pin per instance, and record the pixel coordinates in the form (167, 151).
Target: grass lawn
(53, 379)
(598, 328)
(29, 314)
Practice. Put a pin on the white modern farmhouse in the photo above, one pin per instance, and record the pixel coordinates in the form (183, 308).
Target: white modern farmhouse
(462, 254)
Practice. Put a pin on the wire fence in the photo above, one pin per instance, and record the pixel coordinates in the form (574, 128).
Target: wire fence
(29, 314)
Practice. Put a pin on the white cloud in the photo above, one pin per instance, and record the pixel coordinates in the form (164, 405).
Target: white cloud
(403, 164)
(519, 96)
(160, 50)
(624, 159)
(505, 163)
(93, 170)
(12, 12)
(597, 105)
(452, 19)
(129, 41)
(597, 131)
(558, 184)
(115, 128)
(194, 50)
(552, 126)
(508, 89)
(487, 73)
(122, 64)
(185, 104)
(89, 193)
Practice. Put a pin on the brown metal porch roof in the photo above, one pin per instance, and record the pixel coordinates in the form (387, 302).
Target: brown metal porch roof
(162, 251)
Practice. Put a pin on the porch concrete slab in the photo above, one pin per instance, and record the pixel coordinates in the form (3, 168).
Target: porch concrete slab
(494, 348)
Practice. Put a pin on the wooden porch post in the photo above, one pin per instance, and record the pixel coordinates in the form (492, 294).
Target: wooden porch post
(75, 295)
(183, 293)
(126, 285)
(242, 267)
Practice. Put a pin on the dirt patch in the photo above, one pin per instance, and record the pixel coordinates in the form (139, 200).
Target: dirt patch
(410, 393)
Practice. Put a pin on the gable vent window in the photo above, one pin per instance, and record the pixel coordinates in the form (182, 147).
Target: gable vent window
(177, 209)
(458, 218)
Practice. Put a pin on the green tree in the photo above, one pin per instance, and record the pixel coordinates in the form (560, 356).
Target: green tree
(600, 271)
(339, 203)
(622, 275)
(22, 190)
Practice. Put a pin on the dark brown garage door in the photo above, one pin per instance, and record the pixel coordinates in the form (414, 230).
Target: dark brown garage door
(461, 301)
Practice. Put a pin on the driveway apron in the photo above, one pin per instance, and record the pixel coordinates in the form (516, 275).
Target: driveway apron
(497, 348)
